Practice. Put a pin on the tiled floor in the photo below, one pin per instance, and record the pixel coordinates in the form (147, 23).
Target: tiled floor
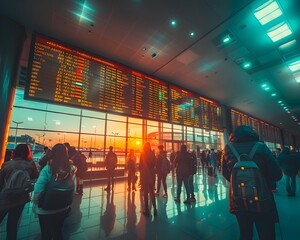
(98, 215)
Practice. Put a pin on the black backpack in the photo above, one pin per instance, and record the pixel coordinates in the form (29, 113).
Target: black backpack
(248, 187)
(16, 184)
(58, 193)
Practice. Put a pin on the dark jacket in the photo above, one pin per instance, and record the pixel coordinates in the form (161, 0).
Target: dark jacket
(183, 163)
(243, 139)
(111, 161)
(288, 162)
(18, 163)
(147, 164)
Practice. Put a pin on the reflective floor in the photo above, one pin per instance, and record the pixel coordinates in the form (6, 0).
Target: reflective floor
(99, 215)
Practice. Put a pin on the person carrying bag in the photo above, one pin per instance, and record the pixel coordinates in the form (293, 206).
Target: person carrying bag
(53, 193)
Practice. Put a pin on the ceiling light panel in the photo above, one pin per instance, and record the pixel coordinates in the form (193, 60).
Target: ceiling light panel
(267, 12)
(294, 66)
(279, 32)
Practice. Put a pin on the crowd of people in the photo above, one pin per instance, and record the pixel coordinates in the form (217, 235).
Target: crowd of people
(60, 171)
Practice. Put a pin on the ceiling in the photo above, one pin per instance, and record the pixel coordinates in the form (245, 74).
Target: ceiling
(139, 34)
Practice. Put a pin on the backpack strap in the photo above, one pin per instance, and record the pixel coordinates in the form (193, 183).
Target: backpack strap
(253, 150)
(235, 153)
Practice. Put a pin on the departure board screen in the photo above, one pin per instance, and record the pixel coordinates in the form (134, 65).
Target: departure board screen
(64, 75)
(185, 107)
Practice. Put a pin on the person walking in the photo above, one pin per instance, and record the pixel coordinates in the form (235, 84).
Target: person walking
(13, 207)
(58, 171)
(263, 213)
(288, 163)
(183, 162)
(147, 164)
(110, 164)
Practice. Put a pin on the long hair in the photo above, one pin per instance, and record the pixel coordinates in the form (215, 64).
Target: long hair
(60, 159)
(22, 151)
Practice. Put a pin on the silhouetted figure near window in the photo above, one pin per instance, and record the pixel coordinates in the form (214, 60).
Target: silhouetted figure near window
(110, 164)
(131, 167)
(162, 170)
(147, 164)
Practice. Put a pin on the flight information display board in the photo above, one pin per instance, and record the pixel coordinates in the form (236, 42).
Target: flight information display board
(61, 74)
(185, 107)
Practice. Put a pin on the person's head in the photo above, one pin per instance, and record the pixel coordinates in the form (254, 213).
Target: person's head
(59, 158)
(22, 151)
(244, 133)
(131, 152)
(278, 150)
(212, 150)
(46, 149)
(111, 148)
(147, 147)
(183, 148)
(160, 148)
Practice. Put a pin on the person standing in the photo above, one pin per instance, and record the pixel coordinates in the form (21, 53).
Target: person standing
(191, 177)
(243, 140)
(21, 160)
(147, 164)
(172, 158)
(183, 162)
(162, 169)
(52, 219)
(288, 163)
(110, 164)
(212, 159)
(131, 167)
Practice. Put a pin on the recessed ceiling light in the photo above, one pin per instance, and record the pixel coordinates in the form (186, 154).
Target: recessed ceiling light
(192, 34)
(267, 88)
(29, 118)
(287, 45)
(246, 65)
(267, 12)
(280, 31)
(273, 94)
(282, 104)
(264, 85)
(226, 39)
(295, 66)
(280, 101)
(173, 22)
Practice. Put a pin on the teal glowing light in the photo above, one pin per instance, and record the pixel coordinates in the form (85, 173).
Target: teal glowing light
(273, 94)
(192, 34)
(160, 96)
(264, 85)
(294, 66)
(267, 88)
(280, 101)
(226, 39)
(173, 22)
(246, 65)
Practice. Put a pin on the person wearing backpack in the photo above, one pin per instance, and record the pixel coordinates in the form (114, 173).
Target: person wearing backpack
(53, 193)
(110, 164)
(251, 168)
(16, 173)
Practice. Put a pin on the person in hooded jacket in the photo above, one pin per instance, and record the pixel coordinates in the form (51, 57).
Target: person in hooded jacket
(21, 160)
(243, 139)
(288, 162)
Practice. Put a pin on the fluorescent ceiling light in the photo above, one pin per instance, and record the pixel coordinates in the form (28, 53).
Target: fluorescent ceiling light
(247, 65)
(287, 45)
(297, 80)
(280, 101)
(295, 66)
(273, 94)
(267, 12)
(226, 39)
(280, 31)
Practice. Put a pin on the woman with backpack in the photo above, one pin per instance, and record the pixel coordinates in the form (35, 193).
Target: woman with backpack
(246, 162)
(53, 192)
(17, 171)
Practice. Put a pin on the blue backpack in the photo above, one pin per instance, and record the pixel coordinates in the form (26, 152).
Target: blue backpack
(248, 187)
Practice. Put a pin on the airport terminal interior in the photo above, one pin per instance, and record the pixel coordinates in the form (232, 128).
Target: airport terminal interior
(98, 74)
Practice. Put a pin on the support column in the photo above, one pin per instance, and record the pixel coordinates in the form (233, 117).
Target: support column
(227, 123)
(12, 38)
